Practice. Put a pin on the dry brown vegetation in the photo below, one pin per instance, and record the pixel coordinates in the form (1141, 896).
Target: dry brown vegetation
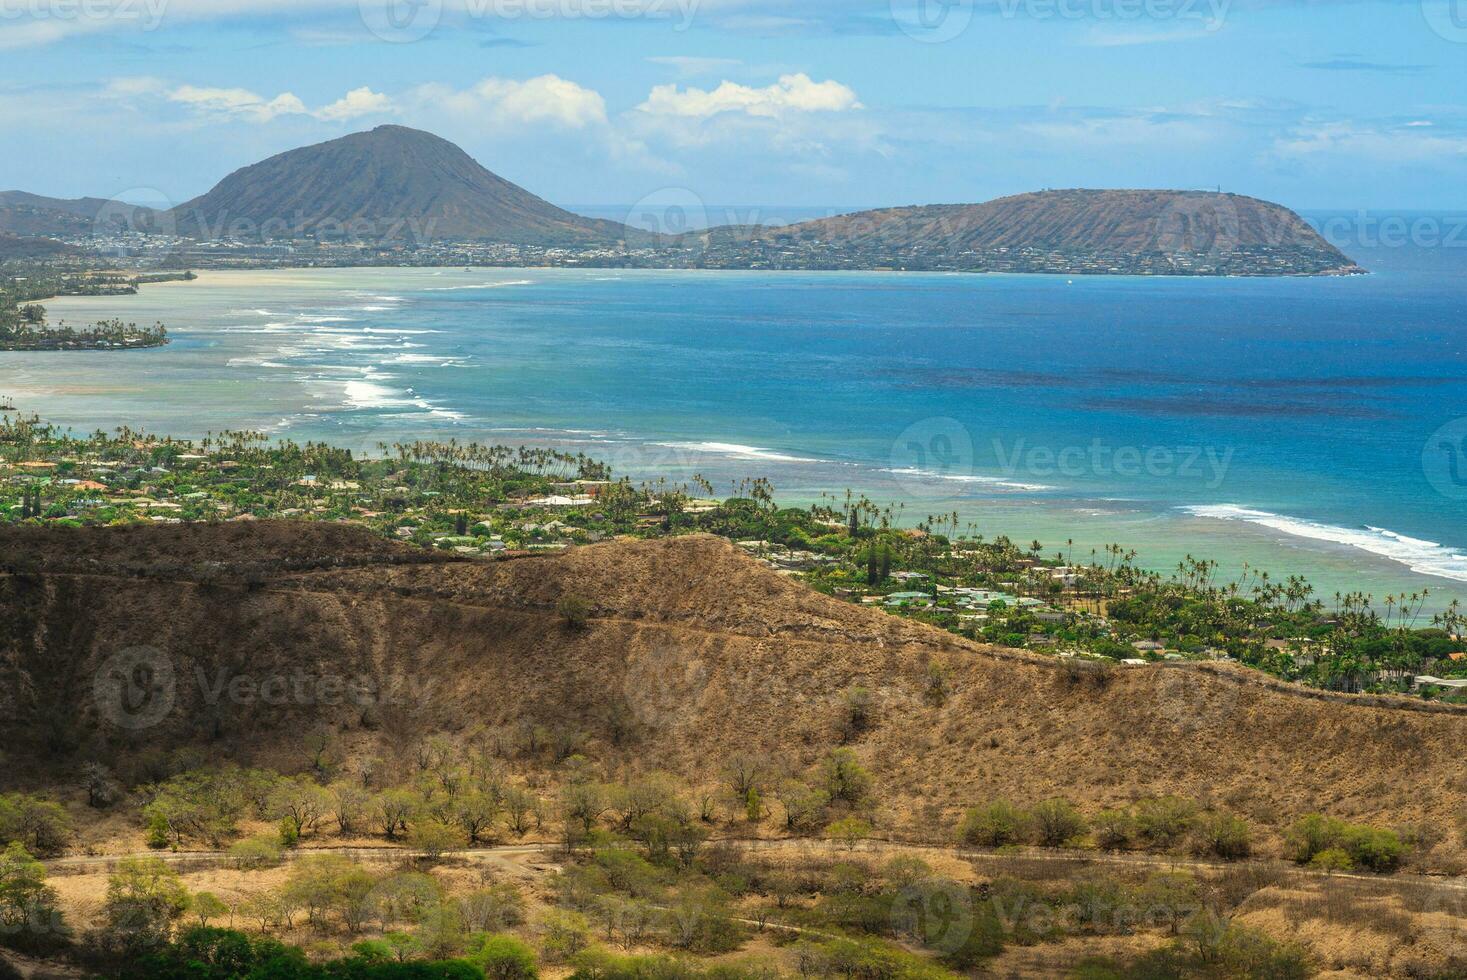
(691, 652)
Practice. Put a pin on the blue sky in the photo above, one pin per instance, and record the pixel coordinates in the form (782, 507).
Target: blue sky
(839, 103)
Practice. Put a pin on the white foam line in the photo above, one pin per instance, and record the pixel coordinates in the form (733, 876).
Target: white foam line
(735, 450)
(1422, 557)
(987, 481)
(481, 285)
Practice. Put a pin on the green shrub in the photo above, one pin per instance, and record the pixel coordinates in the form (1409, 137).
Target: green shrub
(1113, 829)
(1366, 847)
(41, 826)
(1056, 821)
(254, 853)
(565, 935)
(994, 825)
(868, 959)
(1374, 849)
(504, 958)
(1162, 822)
(848, 831)
(1311, 834)
(1332, 859)
(1222, 835)
(574, 611)
(1243, 952)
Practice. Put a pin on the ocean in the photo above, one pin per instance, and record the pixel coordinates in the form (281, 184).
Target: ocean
(1303, 426)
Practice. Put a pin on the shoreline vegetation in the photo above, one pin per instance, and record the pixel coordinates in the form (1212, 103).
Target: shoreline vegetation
(23, 325)
(749, 866)
(479, 502)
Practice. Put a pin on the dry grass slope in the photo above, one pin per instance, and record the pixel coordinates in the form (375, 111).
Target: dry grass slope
(708, 652)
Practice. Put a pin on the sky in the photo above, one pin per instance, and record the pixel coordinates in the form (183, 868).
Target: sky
(840, 104)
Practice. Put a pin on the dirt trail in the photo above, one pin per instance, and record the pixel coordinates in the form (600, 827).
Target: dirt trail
(514, 858)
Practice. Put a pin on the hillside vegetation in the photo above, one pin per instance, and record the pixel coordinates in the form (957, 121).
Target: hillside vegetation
(661, 655)
(1184, 231)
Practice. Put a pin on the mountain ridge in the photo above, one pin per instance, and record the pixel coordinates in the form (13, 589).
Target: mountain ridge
(394, 184)
(691, 648)
(387, 182)
(1180, 228)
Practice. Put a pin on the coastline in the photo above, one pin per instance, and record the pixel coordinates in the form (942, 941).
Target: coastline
(403, 356)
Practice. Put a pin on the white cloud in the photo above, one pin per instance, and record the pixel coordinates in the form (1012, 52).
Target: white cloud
(242, 104)
(1140, 129)
(237, 102)
(133, 86)
(1386, 144)
(545, 98)
(40, 32)
(507, 102)
(690, 67)
(792, 93)
(355, 104)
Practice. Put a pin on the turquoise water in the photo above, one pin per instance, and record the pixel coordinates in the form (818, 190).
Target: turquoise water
(1293, 424)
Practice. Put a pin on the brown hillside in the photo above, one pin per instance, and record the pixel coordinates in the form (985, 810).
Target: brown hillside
(707, 650)
(1096, 222)
(389, 182)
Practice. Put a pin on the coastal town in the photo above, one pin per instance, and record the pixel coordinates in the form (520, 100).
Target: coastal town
(473, 502)
(752, 248)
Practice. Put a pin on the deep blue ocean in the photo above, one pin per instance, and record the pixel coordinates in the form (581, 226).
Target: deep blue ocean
(1307, 426)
